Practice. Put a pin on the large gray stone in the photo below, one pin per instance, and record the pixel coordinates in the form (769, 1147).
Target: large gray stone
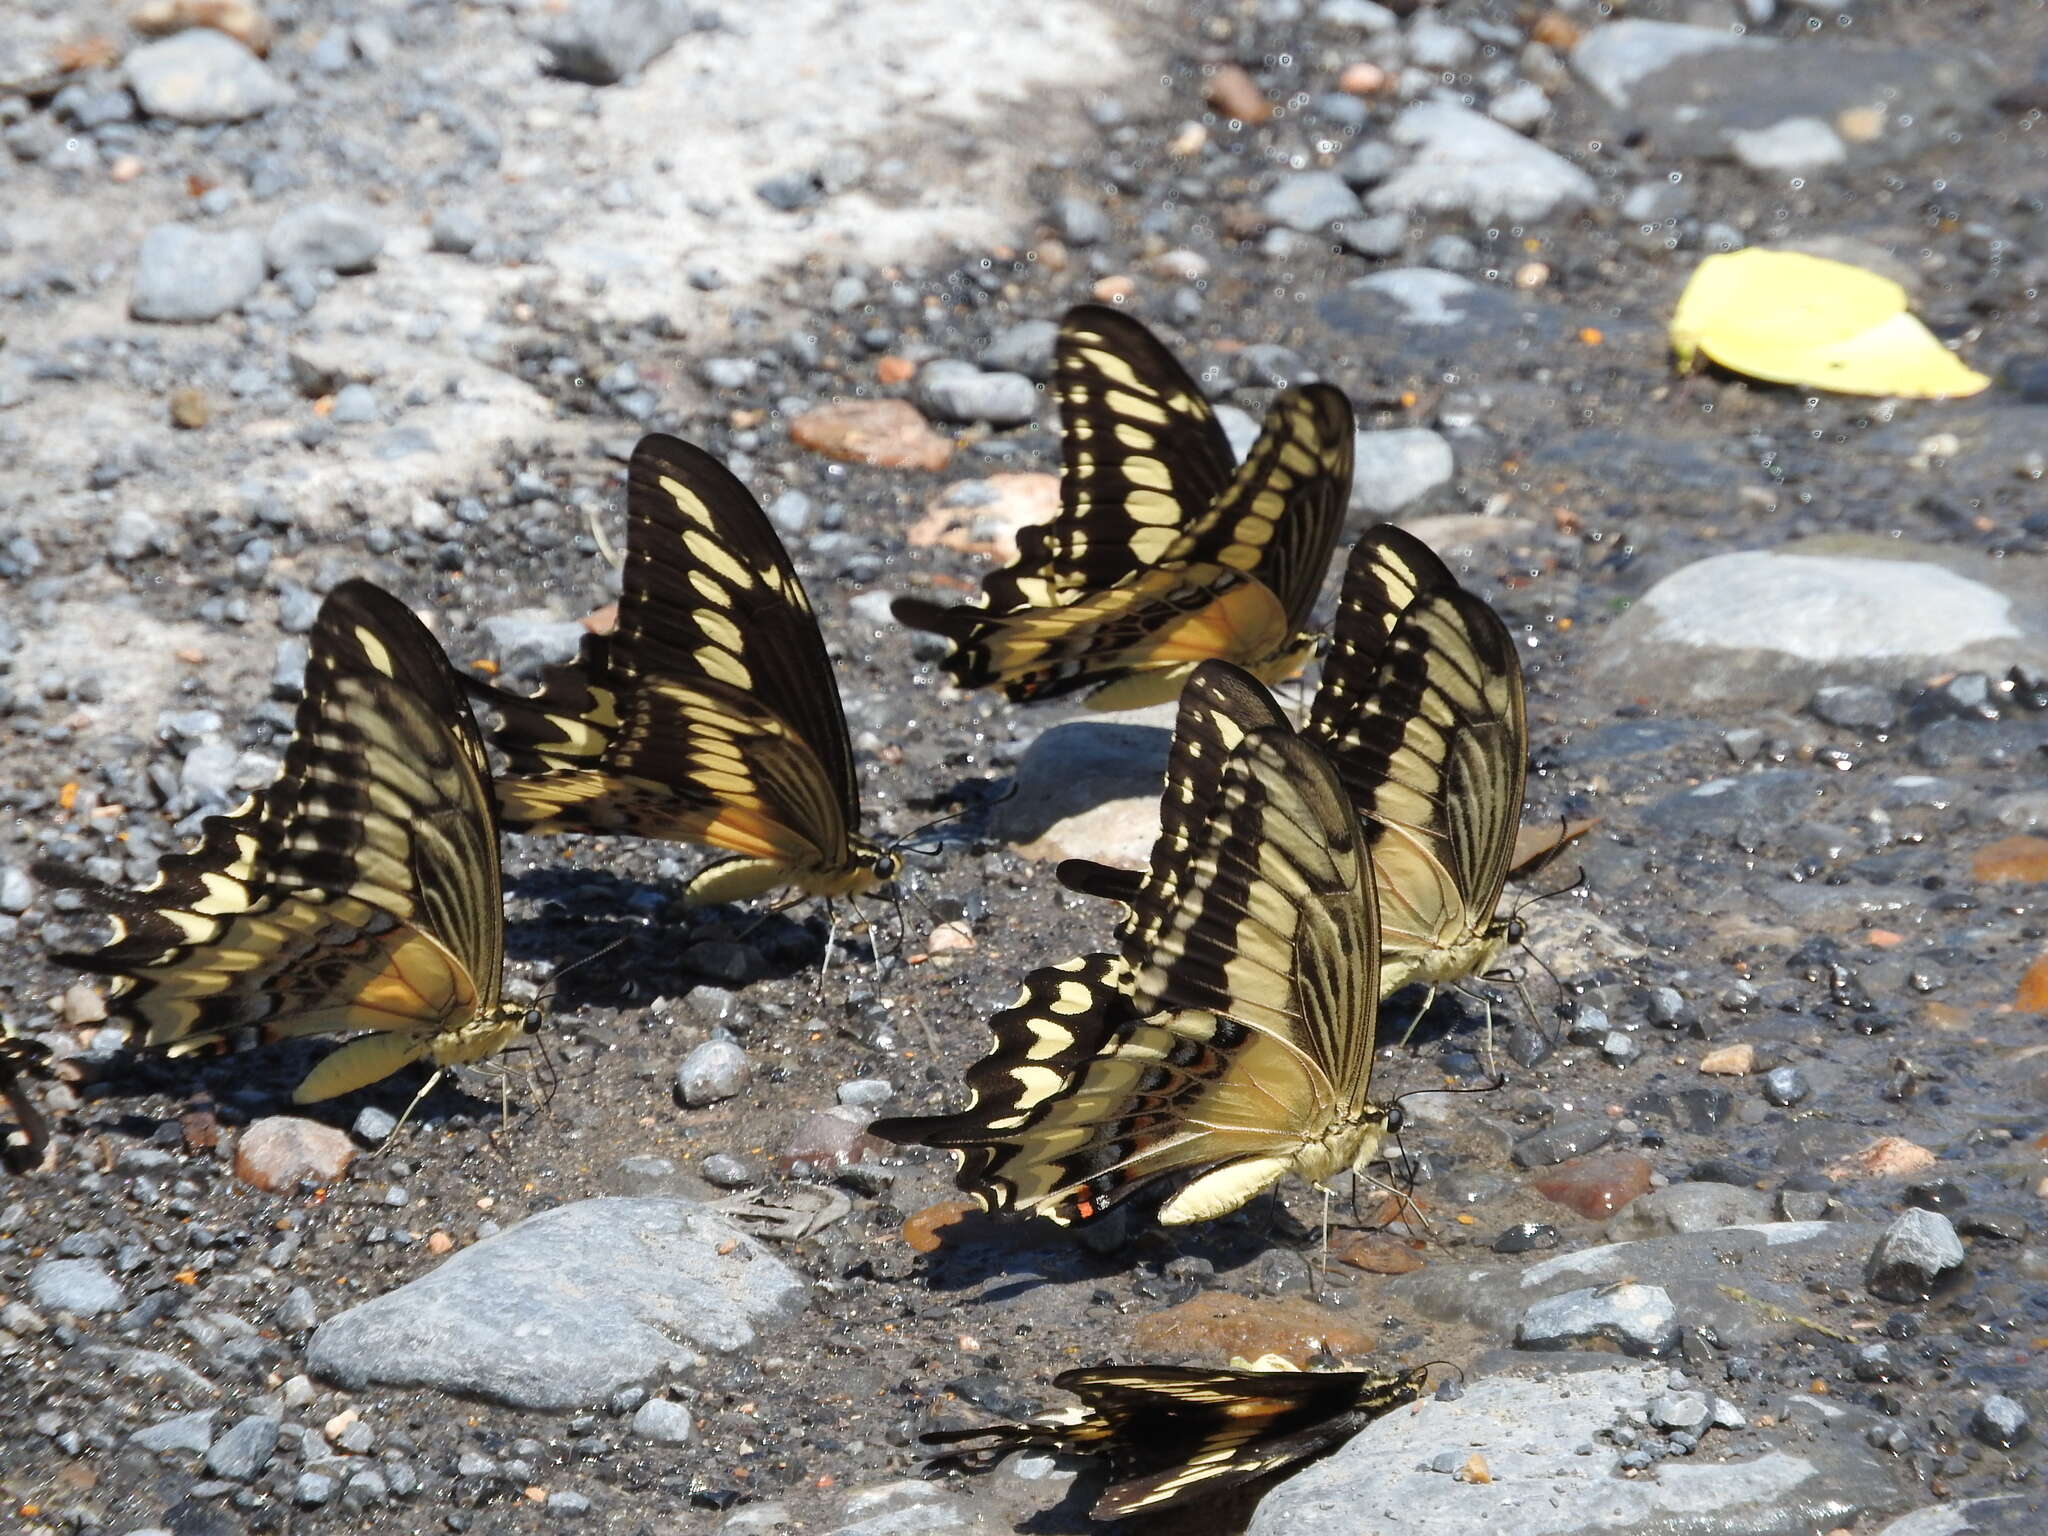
(1310, 201)
(567, 1308)
(1090, 789)
(951, 390)
(1531, 1434)
(600, 42)
(186, 275)
(1768, 627)
(1701, 92)
(1465, 162)
(79, 1286)
(191, 1432)
(1391, 470)
(202, 76)
(332, 237)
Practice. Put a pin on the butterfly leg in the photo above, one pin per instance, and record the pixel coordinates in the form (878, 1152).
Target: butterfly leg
(433, 1082)
(1415, 1023)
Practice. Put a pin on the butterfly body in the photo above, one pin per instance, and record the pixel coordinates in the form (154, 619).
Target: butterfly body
(710, 715)
(1230, 1042)
(358, 894)
(1176, 1433)
(1165, 553)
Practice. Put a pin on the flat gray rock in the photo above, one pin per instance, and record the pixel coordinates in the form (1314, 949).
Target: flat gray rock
(79, 1286)
(600, 42)
(185, 275)
(567, 1308)
(1394, 469)
(1616, 59)
(1090, 789)
(1465, 162)
(1530, 1433)
(202, 76)
(1310, 201)
(327, 236)
(1766, 627)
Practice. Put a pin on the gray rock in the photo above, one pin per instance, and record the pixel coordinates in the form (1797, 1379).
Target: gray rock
(2001, 1422)
(1563, 1481)
(1856, 706)
(1310, 201)
(1617, 58)
(1394, 469)
(314, 1489)
(1681, 1410)
(202, 76)
(662, 1420)
(245, 1449)
(2005, 1515)
(324, 237)
(455, 231)
(1026, 348)
(191, 1432)
(566, 1308)
(208, 772)
(528, 638)
(600, 42)
(951, 390)
(17, 890)
(1464, 162)
(1378, 237)
(1785, 1086)
(372, 1125)
(355, 405)
(78, 1286)
(1793, 144)
(1639, 1319)
(1368, 163)
(135, 534)
(908, 1507)
(1080, 221)
(1917, 1252)
(1434, 44)
(1425, 297)
(714, 1070)
(790, 512)
(1689, 1207)
(728, 372)
(866, 1092)
(1522, 106)
(296, 1313)
(1768, 627)
(1268, 365)
(1088, 789)
(1365, 15)
(1701, 92)
(186, 275)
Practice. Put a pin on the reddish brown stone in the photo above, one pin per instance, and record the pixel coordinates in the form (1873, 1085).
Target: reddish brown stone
(1234, 93)
(828, 1140)
(1596, 1186)
(276, 1153)
(1377, 1253)
(925, 1230)
(2021, 859)
(2033, 993)
(1217, 1325)
(889, 434)
(981, 517)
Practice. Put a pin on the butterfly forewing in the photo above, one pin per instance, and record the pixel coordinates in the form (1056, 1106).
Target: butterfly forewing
(360, 892)
(1421, 707)
(711, 714)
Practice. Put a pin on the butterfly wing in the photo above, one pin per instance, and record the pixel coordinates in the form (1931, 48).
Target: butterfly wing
(21, 1059)
(1232, 1046)
(1163, 555)
(360, 891)
(711, 713)
(1180, 1433)
(1422, 709)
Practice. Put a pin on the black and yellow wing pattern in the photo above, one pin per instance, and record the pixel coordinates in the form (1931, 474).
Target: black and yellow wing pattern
(1422, 709)
(359, 894)
(1177, 1433)
(1164, 553)
(21, 1058)
(1231, 1041)
(710, 714)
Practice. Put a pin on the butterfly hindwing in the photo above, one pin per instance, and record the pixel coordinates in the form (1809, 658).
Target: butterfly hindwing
(711, 713)
(20, 1059)
(1421, 707)
(359, 892)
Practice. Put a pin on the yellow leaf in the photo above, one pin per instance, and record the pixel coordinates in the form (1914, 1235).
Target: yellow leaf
(1789, 318)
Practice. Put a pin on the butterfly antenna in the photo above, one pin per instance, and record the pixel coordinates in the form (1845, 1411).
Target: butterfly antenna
(605, 547)
(547, 993)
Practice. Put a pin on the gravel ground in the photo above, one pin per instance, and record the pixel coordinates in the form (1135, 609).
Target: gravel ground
(1751, 1239)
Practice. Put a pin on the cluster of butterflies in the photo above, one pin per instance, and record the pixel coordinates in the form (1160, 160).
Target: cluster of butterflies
(1299, 877)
